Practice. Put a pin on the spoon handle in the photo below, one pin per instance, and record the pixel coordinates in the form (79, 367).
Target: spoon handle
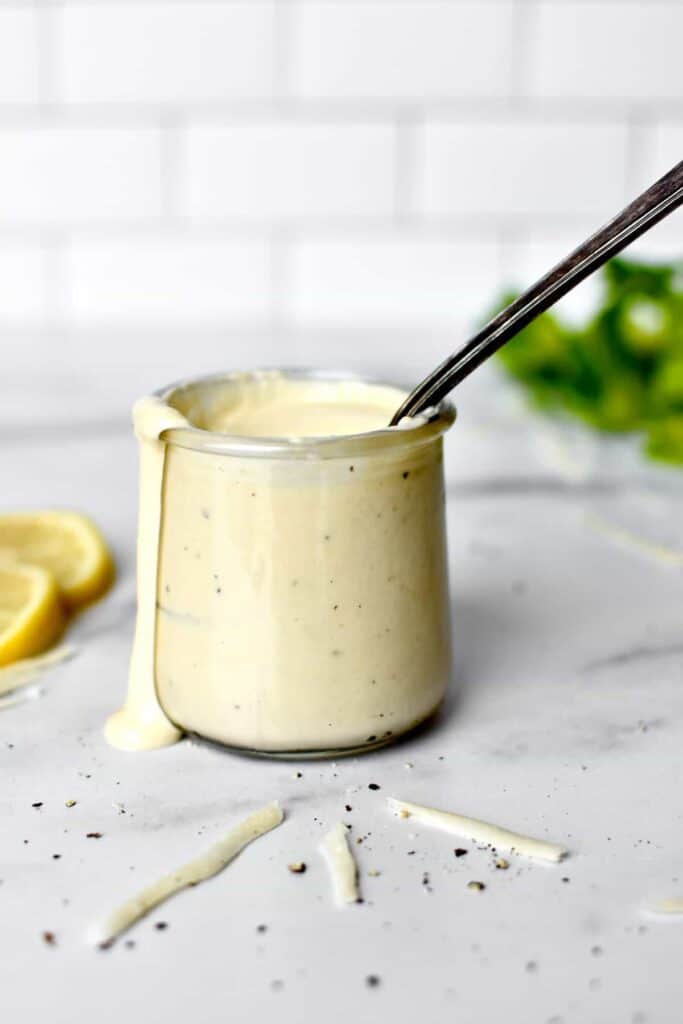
(654, 204)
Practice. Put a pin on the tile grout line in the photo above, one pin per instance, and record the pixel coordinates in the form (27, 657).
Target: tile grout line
(283, 30)
(55, 281)
(408, 157)
(639, 139)
(173, 168)
(525, 24)
(280, 251)
(100, 115)
(48, 62)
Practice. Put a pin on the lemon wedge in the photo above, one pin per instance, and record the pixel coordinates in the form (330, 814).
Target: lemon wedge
(66, 544)
(31, 612)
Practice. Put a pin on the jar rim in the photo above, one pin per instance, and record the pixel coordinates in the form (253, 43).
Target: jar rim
(436, 422)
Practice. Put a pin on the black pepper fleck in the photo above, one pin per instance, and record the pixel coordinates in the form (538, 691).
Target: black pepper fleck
(261, 928)
(49, 938)
(372, 981)
(373, 785)
(93, 835)
(161, 925)
(38, 803)
(406, 474)
(459, 852)
(348, 807)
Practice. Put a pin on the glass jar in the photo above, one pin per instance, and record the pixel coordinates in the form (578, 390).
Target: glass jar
(302, 587)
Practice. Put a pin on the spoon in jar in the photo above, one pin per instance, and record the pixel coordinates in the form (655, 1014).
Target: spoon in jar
(659, 200)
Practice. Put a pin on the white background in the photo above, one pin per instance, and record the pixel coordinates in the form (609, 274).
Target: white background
(188, 186)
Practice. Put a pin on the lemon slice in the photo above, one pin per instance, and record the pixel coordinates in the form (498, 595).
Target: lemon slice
(31, 612)
(64, 543)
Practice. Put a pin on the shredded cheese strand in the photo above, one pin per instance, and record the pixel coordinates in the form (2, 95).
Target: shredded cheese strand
(668, 906)
(27, 670)
(480, 831)
(342, 864)
(195, 871)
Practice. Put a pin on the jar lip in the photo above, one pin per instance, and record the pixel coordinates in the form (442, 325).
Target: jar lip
(338, 446)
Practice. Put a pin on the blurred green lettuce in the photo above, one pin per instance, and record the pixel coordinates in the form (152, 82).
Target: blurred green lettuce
(622, 371)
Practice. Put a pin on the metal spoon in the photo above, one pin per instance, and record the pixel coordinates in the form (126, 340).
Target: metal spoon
(659, 200)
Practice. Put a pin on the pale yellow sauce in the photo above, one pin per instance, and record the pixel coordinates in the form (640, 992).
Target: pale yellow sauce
(276, 407)
(141, 724)
(285, 604)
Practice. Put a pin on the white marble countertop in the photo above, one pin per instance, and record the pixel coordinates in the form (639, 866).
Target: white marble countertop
(567, 723)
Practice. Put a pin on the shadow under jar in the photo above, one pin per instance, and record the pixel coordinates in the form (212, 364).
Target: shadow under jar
(302, 594)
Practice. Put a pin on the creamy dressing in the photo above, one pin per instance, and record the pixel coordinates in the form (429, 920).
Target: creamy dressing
(479, 831)
(282, 407)
(195, 871)
(141, 724)
(285, 604)
(342, 864)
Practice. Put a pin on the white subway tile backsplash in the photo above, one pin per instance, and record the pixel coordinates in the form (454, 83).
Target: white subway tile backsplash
(527, 259)
(166, 280)
(662, 244)
(286, 169)
(18, 55)
(59, 175)
(22, 283)
(362, 136)
(522, 167)
(399, 50)
(391, 279)
(165, 52)
(607, 50)
(665, 150)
